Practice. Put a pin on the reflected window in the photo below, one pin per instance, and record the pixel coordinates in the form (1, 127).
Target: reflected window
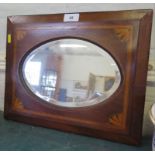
(32, 72)
(48, 83)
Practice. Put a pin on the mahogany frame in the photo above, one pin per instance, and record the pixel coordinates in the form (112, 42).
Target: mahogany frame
(124, 34)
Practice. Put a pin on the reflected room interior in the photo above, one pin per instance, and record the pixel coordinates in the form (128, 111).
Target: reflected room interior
(71, 73)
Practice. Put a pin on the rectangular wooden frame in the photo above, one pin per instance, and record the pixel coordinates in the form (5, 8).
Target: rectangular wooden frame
(130, 30)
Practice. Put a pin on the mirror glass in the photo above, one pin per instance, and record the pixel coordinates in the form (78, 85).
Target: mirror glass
(71, 73)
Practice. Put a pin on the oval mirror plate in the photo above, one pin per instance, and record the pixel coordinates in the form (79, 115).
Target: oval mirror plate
(71, 73)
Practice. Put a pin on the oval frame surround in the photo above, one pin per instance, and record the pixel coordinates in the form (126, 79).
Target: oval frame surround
(21, 64)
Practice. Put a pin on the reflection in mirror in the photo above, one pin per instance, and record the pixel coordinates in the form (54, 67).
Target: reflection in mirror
(71, 73)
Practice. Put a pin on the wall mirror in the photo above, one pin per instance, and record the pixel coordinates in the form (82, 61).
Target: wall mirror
(83, 75)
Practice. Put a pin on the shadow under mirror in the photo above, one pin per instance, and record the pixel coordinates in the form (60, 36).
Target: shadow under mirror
(71, 73)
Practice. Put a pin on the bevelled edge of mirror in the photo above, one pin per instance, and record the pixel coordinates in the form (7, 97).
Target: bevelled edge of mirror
(81, 84)
(113, 124)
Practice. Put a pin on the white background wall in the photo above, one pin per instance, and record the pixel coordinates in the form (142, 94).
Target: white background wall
(27, 9)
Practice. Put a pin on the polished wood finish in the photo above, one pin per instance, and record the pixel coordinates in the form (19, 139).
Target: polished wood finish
(124, 34)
